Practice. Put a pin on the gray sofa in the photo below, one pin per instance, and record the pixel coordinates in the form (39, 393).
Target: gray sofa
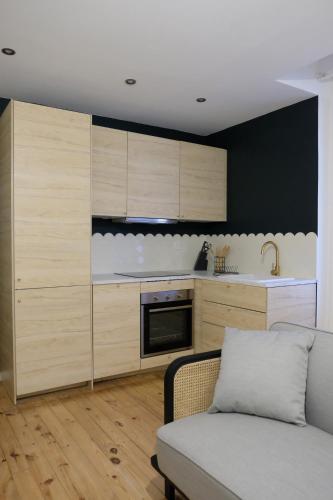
(230, 456)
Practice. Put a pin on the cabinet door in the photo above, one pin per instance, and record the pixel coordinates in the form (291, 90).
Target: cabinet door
(203, 182)
(235, 294)
(51, 197)
(235, 317)
(116, 329)
(153, 177)
(109, 171)
(53, 338)
(211, 337)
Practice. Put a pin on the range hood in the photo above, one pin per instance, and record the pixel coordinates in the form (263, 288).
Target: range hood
(144, 220)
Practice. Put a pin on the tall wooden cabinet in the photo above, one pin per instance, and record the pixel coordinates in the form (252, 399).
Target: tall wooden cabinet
(52, 224)
(45, 158)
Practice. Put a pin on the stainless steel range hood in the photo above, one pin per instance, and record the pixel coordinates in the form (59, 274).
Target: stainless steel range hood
(144, 220)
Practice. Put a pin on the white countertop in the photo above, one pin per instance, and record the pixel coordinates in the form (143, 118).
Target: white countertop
(244, 279)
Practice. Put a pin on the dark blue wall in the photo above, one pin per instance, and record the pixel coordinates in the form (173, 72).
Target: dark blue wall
(273, 171)
(3, 104)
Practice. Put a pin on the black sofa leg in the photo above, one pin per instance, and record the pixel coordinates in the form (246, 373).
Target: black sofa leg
(169, 490)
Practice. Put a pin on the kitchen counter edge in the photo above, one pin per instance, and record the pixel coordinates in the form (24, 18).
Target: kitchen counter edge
(106, 279)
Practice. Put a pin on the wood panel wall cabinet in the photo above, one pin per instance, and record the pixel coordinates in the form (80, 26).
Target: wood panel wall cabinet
(109, 171)
(218, 305)
(45, 238)
(52, 225)
(153, 177)
(116, 329)
(203, 182)
(53, 338)
(238, 295)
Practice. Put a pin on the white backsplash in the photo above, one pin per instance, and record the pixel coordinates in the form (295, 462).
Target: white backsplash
(120, 253)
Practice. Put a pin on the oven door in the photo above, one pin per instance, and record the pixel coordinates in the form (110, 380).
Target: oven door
(166, 327)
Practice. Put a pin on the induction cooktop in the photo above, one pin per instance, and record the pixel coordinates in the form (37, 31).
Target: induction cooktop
(154, 274)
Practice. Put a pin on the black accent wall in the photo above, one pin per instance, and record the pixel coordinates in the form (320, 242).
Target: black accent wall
(3, 104)
(273, 171)
(140, 128)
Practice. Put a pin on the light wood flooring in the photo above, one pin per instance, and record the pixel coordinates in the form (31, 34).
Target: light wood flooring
(82, 444)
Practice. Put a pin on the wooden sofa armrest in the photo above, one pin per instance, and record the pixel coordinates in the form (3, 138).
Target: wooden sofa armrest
(189, 384)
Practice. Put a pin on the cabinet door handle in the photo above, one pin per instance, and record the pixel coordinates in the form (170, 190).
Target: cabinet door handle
(165, 309)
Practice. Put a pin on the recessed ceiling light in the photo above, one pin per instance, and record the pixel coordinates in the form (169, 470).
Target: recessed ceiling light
(130, 81)
(8, 52)
(201, 99)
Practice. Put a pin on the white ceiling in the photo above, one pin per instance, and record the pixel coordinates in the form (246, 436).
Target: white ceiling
(76, 54)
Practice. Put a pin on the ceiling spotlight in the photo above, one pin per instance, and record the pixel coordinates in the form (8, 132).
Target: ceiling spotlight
(130, 81)
(201, 99)
(8, 52)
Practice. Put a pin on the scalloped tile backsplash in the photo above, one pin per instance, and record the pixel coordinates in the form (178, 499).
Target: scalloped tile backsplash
(119, 253)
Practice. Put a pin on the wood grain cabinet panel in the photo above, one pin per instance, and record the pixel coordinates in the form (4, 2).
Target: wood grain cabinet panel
(53, 338)
(116, 329)
(211, 337)
(109, 171)
(238, 295)
(235, 317)
(7, 357)
(203, 182)
(153, 177)
(52, 210)
(163, 286)
(218, 305)
(294, 304)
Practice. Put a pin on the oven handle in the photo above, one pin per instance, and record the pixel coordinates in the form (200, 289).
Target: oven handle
(176, 308)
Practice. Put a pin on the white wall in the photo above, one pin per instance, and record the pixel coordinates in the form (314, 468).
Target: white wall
(325, 207)
(118, 253)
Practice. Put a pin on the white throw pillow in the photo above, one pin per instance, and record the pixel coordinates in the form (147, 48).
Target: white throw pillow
(264, 373)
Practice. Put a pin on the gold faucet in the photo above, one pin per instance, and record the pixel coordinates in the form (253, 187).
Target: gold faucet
(275, 268)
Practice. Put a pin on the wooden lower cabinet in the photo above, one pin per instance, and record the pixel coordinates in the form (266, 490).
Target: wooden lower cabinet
(233, 294)
(116, 329)
(220, 305)
(235, 317)
(53, 338)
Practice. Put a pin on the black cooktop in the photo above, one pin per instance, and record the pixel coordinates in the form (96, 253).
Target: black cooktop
(154, 274)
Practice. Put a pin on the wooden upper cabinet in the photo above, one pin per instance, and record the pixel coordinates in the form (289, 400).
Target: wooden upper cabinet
(153, 177)
(52, 209)
(109, 171)
(203, 182)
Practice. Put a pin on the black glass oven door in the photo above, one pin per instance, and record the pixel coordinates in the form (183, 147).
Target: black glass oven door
(166, 327)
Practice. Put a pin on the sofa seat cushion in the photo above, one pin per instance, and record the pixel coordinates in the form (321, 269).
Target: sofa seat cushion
(230, 456)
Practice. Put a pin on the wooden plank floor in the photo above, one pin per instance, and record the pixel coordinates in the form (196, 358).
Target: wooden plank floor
(83, 445)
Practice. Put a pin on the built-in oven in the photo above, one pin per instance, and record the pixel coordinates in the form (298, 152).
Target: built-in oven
(166, 322)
